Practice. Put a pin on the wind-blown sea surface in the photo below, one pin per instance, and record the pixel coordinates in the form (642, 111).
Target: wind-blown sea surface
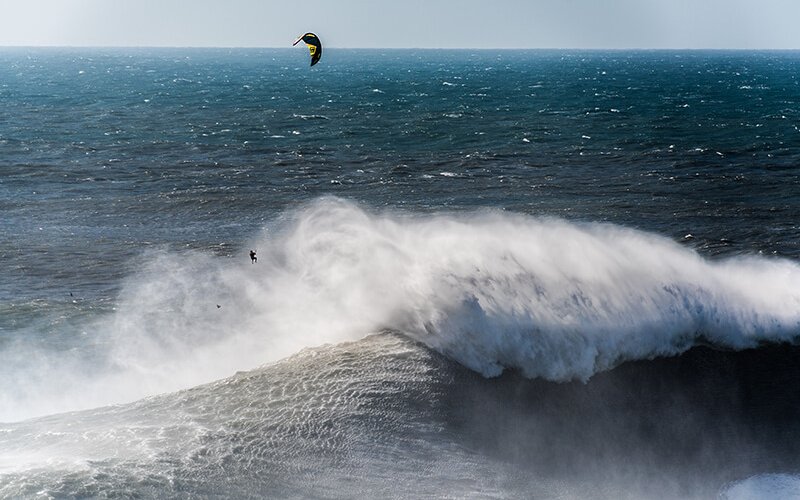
(480, 274)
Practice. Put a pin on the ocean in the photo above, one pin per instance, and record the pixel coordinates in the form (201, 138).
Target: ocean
(480, 274)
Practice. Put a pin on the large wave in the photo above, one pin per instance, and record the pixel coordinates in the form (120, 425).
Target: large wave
(554, 299)
(551, 298)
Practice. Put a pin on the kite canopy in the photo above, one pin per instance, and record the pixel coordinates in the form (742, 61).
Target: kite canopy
(314, 46)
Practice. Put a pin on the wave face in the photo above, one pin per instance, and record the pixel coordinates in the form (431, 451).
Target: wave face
(388, 417)
(553, 299)
(334, 422)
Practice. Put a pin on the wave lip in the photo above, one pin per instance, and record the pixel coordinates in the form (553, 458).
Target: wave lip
(551, 298)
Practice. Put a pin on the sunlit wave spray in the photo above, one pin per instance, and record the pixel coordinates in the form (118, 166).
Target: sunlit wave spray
(548, 297)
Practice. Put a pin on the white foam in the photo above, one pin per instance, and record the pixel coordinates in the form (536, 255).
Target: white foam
(552, 298)
(772, 486)
(555, 299)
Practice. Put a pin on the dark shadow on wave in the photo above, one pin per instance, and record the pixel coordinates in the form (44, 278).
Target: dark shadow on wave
(681, 426)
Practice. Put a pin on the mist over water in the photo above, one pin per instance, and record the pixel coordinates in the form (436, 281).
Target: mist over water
(554, 299)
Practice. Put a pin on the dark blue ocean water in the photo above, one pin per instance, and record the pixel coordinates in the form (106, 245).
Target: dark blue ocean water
(107, 151)
(656, 194)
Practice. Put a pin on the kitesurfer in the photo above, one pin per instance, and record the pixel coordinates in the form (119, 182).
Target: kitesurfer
(253, 258)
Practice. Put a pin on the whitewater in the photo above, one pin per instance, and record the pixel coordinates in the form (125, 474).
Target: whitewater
(492, 291)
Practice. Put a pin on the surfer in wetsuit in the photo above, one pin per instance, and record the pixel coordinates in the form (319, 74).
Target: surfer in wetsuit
(253, 258)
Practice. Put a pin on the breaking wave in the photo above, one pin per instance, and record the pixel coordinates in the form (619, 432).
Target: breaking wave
(550, 298)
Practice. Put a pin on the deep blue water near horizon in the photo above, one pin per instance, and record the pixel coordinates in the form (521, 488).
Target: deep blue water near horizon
(201, 147)
(119, 166)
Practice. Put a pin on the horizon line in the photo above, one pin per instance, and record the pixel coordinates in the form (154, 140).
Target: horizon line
(256, 47)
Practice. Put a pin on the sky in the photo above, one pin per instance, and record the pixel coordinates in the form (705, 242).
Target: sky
(591, 24)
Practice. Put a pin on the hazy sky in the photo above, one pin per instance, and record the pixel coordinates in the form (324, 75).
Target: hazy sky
(405, 23)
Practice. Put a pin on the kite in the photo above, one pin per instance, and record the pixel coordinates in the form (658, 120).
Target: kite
(314, 46)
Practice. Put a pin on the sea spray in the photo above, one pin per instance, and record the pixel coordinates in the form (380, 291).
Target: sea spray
(552, 298)
(555, 299)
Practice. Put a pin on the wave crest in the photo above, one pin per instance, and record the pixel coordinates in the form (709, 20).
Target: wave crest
(554, 299)
(550, 298)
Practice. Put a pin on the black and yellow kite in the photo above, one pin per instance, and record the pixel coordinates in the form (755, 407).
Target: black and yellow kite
(314, 46)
